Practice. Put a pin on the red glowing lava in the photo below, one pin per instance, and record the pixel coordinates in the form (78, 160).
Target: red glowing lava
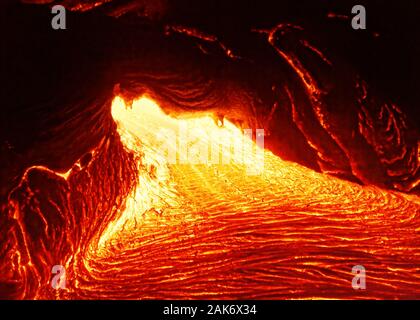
(206, 230)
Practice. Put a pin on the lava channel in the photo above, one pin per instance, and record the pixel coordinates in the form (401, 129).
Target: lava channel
(195, 208)
(191, 229)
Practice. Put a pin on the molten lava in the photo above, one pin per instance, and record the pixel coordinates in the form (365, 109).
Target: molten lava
(191, 207)
(208, 230)
(171, 195)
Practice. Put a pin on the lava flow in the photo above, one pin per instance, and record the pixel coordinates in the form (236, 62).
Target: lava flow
(128, 171)
(207, 230)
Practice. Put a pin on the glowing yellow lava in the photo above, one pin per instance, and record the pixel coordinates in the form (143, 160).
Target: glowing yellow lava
(160, 143)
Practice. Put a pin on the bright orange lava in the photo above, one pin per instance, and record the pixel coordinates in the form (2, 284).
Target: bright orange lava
(184, 208)
(249, 226)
